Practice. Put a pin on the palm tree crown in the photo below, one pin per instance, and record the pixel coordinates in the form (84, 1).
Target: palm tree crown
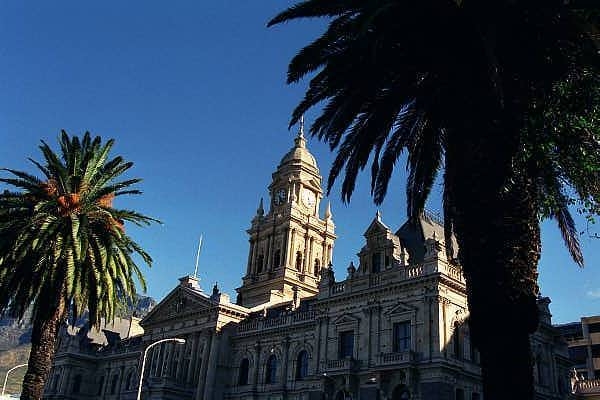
(503, 96)
(62, 243)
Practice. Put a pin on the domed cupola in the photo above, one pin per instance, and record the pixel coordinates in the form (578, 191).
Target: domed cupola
(299, 155)
(290, 243)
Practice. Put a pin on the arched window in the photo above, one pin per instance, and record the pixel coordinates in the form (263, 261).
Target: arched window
(317, 268)
(259, 263)
(129, 381)
(244, 368)
(271, 373)
(302, 365)
(299, 261)
(100, 385)
(457, 344)
(77, 384)
(400, 393)
(376, 262)
(113, 384)
(277, 259)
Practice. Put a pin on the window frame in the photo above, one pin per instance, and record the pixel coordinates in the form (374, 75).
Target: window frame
(344, 346)
(302, 365)
(271, 370)
(397, 340)
(244, 367)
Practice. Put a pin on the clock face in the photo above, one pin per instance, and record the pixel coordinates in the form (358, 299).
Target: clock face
(308, 198)
(280, 197)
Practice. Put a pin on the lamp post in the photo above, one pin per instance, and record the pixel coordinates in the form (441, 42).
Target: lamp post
(176, 340)
(6, 377)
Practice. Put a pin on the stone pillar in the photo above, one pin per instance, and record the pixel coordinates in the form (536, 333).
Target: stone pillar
(268, 255)
(310, 268)
(250, 254)
(291, 255)
(191, 367)
(257, 349)
(284, 244)
(317, 355)
(203, 368)
(213, 361)
(285, 361)
(305, 255)
(254, 255)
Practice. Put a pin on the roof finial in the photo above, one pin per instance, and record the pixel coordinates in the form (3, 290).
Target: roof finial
(328, 210)
(300, 141)
(378, 215)
(260, 211)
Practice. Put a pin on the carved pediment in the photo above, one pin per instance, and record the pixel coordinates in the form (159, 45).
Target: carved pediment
(400, 308)
(377, 228)
(346, 319)
(181, 301)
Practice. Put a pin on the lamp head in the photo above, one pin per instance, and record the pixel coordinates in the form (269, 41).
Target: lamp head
(179, 341)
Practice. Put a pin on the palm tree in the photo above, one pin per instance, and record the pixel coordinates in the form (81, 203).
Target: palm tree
(63, 246)
(474, 89)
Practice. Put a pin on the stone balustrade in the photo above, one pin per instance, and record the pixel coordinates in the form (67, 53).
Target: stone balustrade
(397, 274)
(588, 386)
(342, 364)
(404, 357)
(277, 322)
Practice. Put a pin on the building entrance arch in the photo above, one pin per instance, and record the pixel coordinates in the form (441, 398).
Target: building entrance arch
(343, 395)
(401, 392)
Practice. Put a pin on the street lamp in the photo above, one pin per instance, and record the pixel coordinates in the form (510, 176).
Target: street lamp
(176, 340)
(6, 377)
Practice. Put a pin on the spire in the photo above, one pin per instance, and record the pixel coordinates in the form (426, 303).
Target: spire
(260, 210)
(378, 215)
(300, 141)
(328, 210)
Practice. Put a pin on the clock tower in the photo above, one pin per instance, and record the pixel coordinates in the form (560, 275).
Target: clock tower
(291, 243)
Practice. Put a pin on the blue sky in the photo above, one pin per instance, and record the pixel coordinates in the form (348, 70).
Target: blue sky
(194, 93)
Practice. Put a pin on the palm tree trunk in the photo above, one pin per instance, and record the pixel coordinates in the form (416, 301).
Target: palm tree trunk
(499, 240)
(43, 347)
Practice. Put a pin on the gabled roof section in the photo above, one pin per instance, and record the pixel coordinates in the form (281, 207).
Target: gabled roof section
(377, 227)
(183, 299)
(413, 236)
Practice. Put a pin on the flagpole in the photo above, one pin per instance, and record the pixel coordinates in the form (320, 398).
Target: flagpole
(198, 257)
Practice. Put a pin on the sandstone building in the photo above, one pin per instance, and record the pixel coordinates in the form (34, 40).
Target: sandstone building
(393, 327)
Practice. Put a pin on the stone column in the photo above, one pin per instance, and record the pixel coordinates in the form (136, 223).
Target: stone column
(250, 253)
(311, 267)
(268, 259)
(305, 255)
(203, 368)
(291, 256)
(284, 244)
(257, 349)
(285, 361)
(317, 355)
(213, 360)
(191, 367)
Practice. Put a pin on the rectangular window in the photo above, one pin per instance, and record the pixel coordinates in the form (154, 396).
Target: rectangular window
(459, 394)
(475, 396)
(376, 259)
(401, 340)
(346, 344)
(596, 350)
